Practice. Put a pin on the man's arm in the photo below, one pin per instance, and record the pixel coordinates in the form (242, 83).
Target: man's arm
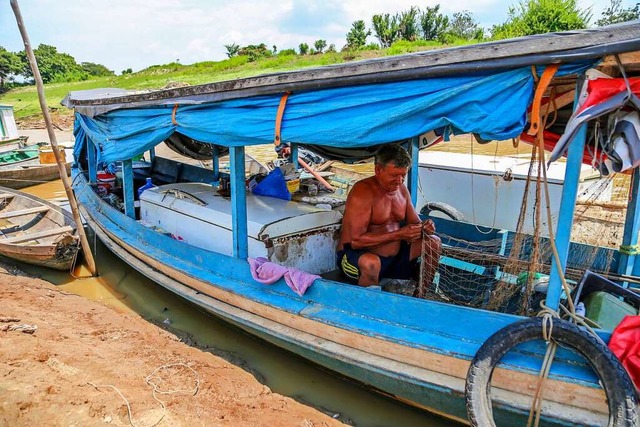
(358, 211)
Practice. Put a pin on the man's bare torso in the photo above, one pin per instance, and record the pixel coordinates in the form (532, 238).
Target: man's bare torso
(386, 211)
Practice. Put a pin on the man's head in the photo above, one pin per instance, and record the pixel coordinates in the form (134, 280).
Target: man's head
(391, 166)
(395, 154)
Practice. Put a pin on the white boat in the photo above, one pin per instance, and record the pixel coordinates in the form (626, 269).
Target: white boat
(488, 190)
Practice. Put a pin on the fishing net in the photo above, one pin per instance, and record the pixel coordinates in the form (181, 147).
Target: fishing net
(508, 271)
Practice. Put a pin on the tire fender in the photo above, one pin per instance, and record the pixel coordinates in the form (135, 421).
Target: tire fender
(621, 393)
(444, 208)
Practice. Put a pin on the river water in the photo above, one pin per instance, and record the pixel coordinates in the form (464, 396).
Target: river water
(124, 289)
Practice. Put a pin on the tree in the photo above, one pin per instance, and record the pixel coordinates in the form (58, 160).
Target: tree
(320, 45)
(408, 24)
(304, 48)
(53, 65)
(127, 71)
(434, 24)
(386, 28)
(10, 65)
(357, 35)
(542, 16)
(96, 69)
(464, 26)
(255, 51)
(615, 14)
(232, 49)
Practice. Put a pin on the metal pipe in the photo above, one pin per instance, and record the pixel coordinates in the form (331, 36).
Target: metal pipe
(315, 174)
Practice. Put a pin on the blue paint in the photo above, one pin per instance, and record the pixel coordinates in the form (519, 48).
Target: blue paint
(238, 202)
(412, 185)
(127, 188)
(91, 159)
(631, 226)
(567, 206)
(215, 157)
(294, 155)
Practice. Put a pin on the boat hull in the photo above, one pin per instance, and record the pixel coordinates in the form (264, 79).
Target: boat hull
(29, 173)
(346, 329)
(36, 232)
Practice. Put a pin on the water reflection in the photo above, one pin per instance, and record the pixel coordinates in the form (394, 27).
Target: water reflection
(124, 289)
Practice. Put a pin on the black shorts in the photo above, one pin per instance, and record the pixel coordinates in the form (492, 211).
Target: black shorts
(398, 266)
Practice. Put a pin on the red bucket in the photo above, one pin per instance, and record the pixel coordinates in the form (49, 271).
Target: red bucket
(106, 182)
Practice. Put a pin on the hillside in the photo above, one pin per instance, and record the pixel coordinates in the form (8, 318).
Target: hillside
(27, 107)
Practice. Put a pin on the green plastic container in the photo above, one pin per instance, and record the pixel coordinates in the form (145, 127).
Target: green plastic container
(607, 310)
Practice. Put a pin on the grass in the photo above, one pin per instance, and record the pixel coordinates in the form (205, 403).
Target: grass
(25, 99)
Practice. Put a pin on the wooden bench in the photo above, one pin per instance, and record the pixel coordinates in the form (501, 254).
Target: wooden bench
(13, 214)
(38, 235)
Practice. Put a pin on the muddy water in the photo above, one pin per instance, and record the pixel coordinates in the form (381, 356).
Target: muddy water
(124, 289)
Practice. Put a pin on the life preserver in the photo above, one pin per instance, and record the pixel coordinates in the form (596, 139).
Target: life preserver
(444, 208)
(620, 391)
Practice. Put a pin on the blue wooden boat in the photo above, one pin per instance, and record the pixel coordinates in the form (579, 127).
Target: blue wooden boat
(438, 354)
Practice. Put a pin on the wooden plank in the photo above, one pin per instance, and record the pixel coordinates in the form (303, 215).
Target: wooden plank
(38, 235)
(21, 212)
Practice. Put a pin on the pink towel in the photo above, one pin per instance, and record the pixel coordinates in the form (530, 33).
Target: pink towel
(268, 272)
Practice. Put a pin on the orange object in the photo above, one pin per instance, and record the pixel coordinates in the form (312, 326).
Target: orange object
(279, 114)
(315, 174)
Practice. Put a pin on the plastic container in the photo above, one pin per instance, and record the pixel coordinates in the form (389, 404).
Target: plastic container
(293, 185)
(149, 184)
(607, 310)
(46, 155)
(106, 182)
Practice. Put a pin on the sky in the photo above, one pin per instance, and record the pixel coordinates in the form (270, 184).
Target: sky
(136, 34)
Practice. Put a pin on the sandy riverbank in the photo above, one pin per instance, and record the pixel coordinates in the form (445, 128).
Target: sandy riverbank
(87, 364)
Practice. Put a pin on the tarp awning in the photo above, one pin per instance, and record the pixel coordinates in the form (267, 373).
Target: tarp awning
(490, 104)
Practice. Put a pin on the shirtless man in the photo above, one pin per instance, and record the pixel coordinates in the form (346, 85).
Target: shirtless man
(381, 232)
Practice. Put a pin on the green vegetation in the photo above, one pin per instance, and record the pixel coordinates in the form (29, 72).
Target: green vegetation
(615, 13)
(542, 16)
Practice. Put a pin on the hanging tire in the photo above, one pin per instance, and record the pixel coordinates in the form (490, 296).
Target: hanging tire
(618, 387)
(448, 210)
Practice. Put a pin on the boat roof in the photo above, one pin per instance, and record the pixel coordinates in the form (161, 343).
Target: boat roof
(541, 49)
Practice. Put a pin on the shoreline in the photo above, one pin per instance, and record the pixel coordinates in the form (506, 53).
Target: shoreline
(88, 364)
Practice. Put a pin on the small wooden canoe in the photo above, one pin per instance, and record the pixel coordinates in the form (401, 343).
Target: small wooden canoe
(35, 231)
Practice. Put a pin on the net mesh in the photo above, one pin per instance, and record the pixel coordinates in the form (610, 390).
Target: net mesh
(508, 271)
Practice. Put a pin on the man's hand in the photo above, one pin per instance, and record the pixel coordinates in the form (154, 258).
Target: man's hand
(411, 232)
(428, 227)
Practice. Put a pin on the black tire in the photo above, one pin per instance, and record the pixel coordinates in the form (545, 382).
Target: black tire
(619, 389)
(443, 208)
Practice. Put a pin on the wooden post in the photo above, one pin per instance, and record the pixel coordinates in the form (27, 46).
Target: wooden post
(60, 159)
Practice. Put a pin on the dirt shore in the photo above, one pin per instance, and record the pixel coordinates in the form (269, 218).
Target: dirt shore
(65, 360)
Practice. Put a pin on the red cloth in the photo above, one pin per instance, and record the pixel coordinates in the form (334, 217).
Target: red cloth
(603, 89)
(625, 343)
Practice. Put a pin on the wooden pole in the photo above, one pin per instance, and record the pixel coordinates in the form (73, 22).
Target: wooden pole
(60, 158)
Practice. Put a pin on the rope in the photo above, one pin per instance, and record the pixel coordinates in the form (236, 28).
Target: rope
(155, 390)
(283, 103)
(547, 333)
(173, 115)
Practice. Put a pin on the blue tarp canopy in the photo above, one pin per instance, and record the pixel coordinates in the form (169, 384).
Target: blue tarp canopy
(492, 105)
